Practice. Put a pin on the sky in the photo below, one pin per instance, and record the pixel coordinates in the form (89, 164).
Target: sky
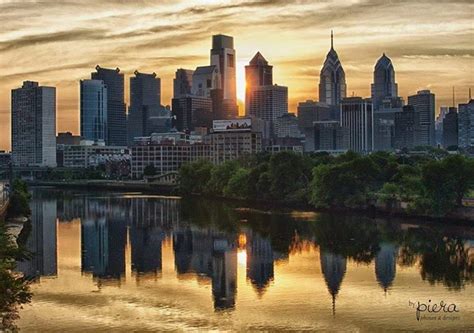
(58, 43)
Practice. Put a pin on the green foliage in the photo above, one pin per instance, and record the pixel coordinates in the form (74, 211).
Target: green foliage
(429, 183)
(345, 184)
(220, 176)
(194, 176)
(238, 185)
(149, 170)
(14, 289)
(19, 199)
(288, 172)
(447, 181)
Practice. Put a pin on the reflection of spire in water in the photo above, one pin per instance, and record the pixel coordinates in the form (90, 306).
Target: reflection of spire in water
(41, 240)
(333, 267)
(385, 265)
(259, 261)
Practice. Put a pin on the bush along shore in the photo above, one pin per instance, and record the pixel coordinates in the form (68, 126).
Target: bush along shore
(430, 186)
(14, 288)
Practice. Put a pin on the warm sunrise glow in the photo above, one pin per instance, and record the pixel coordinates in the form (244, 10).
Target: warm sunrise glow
(242, 257)
(241, 81)
(59, 43)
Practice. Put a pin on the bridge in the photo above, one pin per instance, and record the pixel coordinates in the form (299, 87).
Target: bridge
(170, 178)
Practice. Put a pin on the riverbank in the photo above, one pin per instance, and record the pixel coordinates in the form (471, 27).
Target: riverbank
(464, 215)
(460, 215)
(14, 230)
(111, 185)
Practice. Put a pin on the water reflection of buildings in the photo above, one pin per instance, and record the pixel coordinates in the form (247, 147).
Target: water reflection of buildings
(385, 265)
(103, 239)
(260, 261)
(333, 267)
(209, 253)
(104, 223)
(41, 241)
(146, 249)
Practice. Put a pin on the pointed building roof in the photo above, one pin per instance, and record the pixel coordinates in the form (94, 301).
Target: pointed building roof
(332, 62)
(383, 62)
(258, 59)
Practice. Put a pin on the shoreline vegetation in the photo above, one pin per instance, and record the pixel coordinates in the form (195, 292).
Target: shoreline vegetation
(411, 186)
(14, 288)
(430, 186)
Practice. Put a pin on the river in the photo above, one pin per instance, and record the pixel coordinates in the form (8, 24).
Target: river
(138, 262)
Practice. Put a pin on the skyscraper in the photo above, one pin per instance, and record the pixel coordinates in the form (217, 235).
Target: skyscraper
(192, 111)
(182, 82)
(257, 73)
(384, 85)
(407, 128)
(357, 120)
(450, 128)
(424, 103)
(116, 115)
(466, 125)
(329, 136)
(332, 83)
(145, 100)
(93, 101)
(33, 125)
(223, 57)
(205, 79)
(268, 103)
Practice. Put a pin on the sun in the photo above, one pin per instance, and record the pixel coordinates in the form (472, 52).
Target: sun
(241, 81)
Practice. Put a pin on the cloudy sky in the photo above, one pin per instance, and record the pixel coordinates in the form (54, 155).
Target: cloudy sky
(58, 43)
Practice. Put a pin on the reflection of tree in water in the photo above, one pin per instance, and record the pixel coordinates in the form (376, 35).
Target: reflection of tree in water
(353, 237)
(447, 262)
(340, 238)
(333, 267)
(442, 259)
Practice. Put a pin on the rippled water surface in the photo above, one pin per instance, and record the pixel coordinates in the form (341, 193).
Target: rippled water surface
(134, 262)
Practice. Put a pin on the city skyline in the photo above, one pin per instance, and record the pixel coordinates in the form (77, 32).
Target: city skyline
(57, 48)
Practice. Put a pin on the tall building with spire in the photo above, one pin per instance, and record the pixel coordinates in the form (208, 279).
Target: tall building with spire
(332, 82)
(384, 85)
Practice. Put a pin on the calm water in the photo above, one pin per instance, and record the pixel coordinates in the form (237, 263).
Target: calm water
(133, 262)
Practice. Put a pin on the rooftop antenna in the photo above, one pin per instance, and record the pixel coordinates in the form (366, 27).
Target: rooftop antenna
(332, 39)
(453, 98)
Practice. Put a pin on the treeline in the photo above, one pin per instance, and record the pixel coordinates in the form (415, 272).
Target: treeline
(425, 184)
(14, 288)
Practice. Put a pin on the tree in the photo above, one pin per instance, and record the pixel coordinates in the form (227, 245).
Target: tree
(149, 170)
(193, 177)
(460, 170)
(439, 188)
(220, 176)
(344, 184)
(289, 172)
(238, 185)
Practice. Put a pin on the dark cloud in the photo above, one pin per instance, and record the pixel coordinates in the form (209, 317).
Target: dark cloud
(60, 36)
(30, 74)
